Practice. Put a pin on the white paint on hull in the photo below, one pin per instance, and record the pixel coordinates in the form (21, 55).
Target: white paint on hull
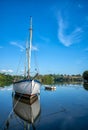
(29, 87)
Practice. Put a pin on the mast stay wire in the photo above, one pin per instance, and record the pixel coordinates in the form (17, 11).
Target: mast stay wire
(6, 122)
(36, 63)
(20, 59)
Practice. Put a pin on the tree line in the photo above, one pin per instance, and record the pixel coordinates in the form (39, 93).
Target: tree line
(58, 78)
(85, 76)
(6, 79)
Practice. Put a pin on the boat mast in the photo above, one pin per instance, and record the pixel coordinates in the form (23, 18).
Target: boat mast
(30, 47)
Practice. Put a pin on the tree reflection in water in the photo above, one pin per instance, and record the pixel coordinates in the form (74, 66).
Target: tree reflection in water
(85, 85)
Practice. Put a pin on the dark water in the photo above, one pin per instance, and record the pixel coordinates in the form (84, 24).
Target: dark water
(65, 108)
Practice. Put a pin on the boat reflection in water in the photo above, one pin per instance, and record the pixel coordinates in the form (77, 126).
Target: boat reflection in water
(28, 110)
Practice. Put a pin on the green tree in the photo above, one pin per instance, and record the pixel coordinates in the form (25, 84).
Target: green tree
(85, 86)
(85, 75)
(5, 79)
(47, 79)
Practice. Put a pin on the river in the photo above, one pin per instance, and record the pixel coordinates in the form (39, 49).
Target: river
(65, 108)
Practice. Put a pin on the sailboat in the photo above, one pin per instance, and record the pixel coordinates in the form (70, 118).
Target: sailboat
(28, 87)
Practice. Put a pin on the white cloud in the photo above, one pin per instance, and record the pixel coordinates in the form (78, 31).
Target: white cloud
(71, 38)
(34, 48)
(18, 45)
(6, 71)
(10, 71)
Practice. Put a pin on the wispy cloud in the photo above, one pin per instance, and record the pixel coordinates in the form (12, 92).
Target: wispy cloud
(86, 49)
(66, 38)
(87, 18)
(79, 61)
(34, 48)
(45, 39)
(18, 45)
(1, 47)
(80, 6)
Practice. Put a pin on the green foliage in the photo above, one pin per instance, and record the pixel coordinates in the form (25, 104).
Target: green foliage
(53, 78)
(85, 75)
(85, 86)
(47, 79)
(5, 79)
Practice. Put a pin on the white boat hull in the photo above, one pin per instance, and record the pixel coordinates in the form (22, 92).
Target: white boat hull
(27, 87)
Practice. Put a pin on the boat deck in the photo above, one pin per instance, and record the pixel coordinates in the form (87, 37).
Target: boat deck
(49, 87)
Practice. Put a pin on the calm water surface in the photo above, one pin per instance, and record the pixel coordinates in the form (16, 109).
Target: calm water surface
(65, 108)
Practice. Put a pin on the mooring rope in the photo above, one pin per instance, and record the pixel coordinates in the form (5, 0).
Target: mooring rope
(8, 118)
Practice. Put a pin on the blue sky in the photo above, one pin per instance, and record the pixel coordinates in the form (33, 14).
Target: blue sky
(60, 35)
